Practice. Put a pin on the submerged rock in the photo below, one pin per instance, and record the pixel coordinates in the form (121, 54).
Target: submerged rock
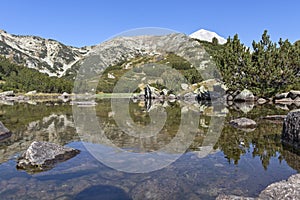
(42, 156)
(4, 132)
(243, 123)
(291, 128)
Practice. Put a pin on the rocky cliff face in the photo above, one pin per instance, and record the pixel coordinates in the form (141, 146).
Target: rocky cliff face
(46, 55)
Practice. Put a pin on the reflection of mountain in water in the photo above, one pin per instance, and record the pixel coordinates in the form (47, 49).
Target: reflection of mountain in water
(131, 131)
(255, 154)
(55, 124)
(56, 128)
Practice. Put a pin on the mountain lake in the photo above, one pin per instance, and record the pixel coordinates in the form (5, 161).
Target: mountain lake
(199, 163)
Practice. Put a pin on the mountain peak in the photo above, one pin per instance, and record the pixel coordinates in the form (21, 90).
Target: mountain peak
(206, 35)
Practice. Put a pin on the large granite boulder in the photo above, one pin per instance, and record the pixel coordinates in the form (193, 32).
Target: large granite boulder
(4, 132)
(42, 156)
(287, 189)
(291, 129)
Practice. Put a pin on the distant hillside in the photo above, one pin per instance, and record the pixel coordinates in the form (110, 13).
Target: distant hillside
(22, 79)
(46, 55)
(270, 68)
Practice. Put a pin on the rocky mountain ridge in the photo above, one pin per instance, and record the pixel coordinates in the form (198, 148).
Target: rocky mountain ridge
(46, 55)
(56, 59)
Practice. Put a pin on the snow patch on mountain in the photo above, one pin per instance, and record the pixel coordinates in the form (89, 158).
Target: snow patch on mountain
(206, 35)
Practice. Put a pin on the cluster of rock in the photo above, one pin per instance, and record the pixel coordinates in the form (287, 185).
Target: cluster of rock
(210, 90)
(31, 97)
(204, 91)
(189, 93)
(150, 92)
(10, 96)
(291, 96)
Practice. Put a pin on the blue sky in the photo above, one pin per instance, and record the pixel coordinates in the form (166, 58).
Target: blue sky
(90, 22)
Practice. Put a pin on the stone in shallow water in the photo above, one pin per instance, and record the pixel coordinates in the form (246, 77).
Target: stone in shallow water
(4, 132)
(243, 123)
(42, 156)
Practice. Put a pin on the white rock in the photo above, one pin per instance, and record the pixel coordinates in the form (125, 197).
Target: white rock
(31, 92)
(111, 76)
(184, 86)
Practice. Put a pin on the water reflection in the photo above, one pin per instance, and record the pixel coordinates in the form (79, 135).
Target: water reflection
(149, 145)
(241, 163)
(30, 123)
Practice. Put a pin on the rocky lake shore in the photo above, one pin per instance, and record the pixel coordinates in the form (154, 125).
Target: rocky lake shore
(242, 101)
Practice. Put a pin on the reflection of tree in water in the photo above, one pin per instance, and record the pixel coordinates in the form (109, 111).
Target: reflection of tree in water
(264, 142)
(266, 146)
(140, 116)
(292, 157)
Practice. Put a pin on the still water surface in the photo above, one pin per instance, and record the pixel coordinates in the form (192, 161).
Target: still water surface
(241, 162)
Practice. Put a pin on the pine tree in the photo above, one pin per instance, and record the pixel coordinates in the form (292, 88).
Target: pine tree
(234, 62)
